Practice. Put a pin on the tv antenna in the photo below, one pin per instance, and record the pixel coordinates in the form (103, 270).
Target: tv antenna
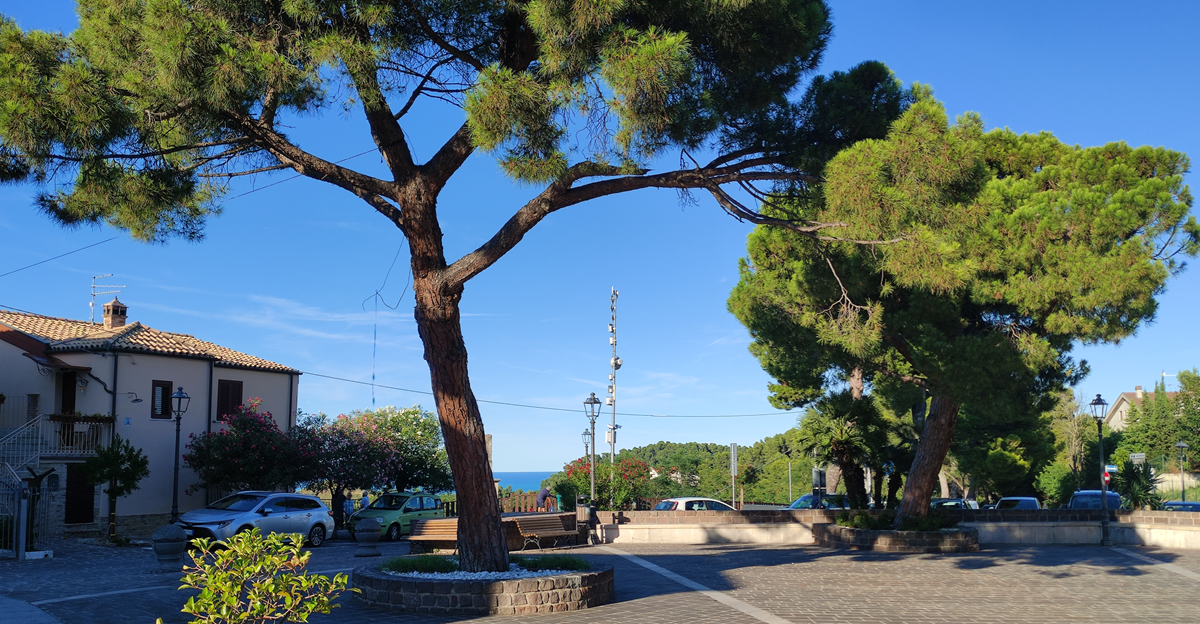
(92, 304)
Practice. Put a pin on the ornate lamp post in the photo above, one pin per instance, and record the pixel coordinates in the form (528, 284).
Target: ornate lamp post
(1099, 410)
(1182, 446)
(179, 405)
(591, 407)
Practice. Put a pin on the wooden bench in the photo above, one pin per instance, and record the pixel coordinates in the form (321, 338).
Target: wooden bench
(534, 528)
(435, 530)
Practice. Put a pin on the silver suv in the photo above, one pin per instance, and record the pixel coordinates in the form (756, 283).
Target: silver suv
(270, 512)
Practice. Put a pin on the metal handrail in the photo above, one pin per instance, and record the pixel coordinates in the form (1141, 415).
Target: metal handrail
(17, 448)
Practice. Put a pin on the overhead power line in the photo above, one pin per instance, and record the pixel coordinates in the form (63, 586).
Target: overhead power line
(551, 409)
(60, 256)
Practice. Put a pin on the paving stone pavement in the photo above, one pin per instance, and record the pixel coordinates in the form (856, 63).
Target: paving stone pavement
(800, 584)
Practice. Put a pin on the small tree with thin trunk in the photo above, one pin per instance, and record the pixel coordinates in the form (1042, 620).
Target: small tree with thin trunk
(122, 467)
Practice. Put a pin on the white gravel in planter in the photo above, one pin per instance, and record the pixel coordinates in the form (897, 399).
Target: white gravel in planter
(514, 572)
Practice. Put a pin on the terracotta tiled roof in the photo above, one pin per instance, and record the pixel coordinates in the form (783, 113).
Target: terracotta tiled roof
(64, 335)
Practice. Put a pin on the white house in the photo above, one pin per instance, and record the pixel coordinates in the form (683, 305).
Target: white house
(124, 374)
(1118, 413)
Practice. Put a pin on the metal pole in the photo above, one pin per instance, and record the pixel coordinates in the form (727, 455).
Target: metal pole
(790, 499)
(175, 487)
(22, 520)
(1182, 487)
(612, 395)
(1105, 539)
(592, 500)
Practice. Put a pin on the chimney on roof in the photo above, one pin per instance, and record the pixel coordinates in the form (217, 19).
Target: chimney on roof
(114, 314)
(1138, 391)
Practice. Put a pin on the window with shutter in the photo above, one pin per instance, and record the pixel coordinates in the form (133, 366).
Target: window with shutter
(229, 397)
(160, 399)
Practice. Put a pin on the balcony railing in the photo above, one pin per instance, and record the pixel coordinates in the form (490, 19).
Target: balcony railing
(73, 438)
(53, 436)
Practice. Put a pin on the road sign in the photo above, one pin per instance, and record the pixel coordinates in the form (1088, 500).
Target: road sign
(1107, 478)
(1110, 468)
(1137, 458)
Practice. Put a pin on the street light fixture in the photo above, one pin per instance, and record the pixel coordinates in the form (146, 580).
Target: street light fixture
(1182, 446)
(179, 404)
(1099, 411)
(587, 442)
(591, 407)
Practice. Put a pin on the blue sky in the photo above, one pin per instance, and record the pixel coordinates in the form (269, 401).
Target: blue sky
(284, 272)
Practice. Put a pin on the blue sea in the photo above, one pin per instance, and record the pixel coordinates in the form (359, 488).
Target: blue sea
(528, 481)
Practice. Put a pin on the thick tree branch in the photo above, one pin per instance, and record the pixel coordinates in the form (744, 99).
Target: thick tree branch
(453, 153)
(313, 166)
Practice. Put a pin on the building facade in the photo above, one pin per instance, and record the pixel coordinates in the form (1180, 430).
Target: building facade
(77, 384)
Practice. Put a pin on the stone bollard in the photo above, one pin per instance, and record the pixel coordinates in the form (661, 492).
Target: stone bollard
(169, 542)
(366, 533)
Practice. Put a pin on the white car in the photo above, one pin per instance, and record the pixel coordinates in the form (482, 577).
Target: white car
(270, 512)
(692, 503)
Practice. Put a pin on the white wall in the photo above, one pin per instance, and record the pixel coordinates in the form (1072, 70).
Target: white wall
(19, 376)
(156, 437)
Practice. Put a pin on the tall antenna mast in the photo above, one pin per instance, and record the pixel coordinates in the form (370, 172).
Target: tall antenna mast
(611, 434)
(92, 304)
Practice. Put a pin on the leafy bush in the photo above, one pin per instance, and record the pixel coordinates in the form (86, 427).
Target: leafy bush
(420, 563)
(256, 580)
(550, 562)
(882, 522)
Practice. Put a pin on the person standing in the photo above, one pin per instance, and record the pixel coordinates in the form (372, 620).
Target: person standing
(364, 502)
(541, 499)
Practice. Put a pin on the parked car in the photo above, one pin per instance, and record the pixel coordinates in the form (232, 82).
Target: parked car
(1018, 502)
(1090, 499)
(1181, 506)
(953, 503)
(692, 503)
(270, 512)
(396, 511)
(828, 501)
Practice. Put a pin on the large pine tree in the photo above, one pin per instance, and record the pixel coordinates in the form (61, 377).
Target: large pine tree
(141, 117)
(997, 253)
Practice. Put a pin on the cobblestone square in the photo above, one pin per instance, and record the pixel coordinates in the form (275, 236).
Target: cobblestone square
(90, 584)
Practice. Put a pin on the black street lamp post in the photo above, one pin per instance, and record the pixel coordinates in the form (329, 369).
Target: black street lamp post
(1098, 406)
(179, 405)
(591, 407)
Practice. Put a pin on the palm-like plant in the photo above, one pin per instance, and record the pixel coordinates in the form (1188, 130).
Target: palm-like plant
(834, 431)
(1137, 485)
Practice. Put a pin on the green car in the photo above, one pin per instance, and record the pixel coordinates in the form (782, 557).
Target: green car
(396, 511)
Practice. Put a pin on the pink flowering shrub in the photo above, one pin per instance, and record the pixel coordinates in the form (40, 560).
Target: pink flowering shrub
(250, 453)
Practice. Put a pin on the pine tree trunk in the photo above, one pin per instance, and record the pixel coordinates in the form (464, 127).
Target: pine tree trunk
(833, 475)
(931, 452)
(895, 482)
(481, 543)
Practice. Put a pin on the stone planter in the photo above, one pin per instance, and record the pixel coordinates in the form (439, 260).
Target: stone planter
(366, 533)
(542, 594)
(946, 541)
(169, 542)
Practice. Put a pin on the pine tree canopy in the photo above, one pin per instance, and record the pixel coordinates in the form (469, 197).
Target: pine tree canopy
(999, 251)
(141, 117)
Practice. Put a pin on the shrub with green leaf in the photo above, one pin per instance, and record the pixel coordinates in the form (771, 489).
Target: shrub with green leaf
(255, 580)
(420, 563)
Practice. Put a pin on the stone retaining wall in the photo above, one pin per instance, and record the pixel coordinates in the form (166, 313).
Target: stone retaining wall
(544, 594)
(846, 538)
